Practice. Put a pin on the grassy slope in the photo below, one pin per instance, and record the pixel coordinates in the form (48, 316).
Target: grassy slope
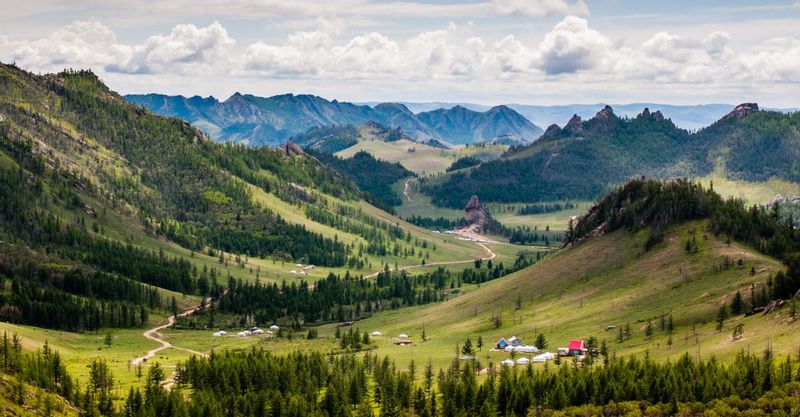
(616, 283)
(121, 223)
(36, 402)
(426, 160)
(751, 192)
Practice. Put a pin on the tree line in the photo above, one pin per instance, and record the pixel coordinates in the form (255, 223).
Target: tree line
(349, 297)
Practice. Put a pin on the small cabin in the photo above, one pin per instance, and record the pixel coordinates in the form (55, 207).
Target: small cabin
(576, 348)
(515, 341)
(501, 344)
(402, 342)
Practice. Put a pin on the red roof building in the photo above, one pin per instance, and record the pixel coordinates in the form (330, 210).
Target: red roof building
(576, 348)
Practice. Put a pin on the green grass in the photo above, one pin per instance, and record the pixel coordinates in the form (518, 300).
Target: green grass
(751, 192)
(424, 160)
(606, 281)
(419, 204)
(557, 221)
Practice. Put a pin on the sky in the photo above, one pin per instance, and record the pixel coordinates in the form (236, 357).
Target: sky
(480, 51)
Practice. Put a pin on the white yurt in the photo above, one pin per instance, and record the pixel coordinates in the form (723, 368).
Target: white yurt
(527, 349)
(376, 334)
(507, 362)
(523, 361)
(403, 336)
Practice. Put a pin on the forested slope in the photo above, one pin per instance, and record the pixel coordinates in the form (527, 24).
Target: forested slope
(587, 158)
(94, 190)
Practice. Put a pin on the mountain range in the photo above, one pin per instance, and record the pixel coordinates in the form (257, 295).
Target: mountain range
(691, 117)
(245, 118)
(586, 158)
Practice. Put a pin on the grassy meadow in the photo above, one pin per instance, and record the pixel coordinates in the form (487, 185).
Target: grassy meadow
(608, 281)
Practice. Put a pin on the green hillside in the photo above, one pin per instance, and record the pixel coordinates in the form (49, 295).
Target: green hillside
(748, 145)
(648, 254)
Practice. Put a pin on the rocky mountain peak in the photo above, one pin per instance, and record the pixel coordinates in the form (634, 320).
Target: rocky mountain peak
(741, 111)
(574, 125)
(552, 131)
(656, 115)
(603, 120)
(605, 114)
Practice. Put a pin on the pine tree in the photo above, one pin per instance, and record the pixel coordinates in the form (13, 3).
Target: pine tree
(541, 342)
(737, 304)
(467, 349)
(722, 315)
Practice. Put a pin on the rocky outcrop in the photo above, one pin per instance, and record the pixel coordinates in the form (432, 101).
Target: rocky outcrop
(476, 216)
(552, 132)
(741, 111)
(656, 115)
(574, 125)
(604, 120)
(291, 149)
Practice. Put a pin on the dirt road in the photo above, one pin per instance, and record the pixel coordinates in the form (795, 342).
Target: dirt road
(489, 255)
(153, 334)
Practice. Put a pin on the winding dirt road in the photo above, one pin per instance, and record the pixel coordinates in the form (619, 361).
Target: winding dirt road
(154, 335)
(489, 255)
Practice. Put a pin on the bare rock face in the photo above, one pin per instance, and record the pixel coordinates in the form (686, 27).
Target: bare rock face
(656, 115)
(604, 120)
(574, 125)
(741, 111)
(291, 149)
(476, 216)
(606, 114)
(553, 131)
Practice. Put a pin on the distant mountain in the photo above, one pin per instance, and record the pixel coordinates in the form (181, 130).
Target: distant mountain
(586, 158)
(684, 116)
(332, 139)
(460, 125)
(256, 120)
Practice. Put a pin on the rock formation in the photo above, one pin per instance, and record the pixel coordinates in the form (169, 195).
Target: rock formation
(574, 125)
(476, 216)
(741, 111)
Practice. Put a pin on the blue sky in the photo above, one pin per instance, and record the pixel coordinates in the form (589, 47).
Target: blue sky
(488, 51)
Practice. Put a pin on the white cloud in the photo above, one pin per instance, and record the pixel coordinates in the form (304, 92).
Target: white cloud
(572, 55)
(92, 44)
(541, 8)
(87, 43)
(572, 46)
